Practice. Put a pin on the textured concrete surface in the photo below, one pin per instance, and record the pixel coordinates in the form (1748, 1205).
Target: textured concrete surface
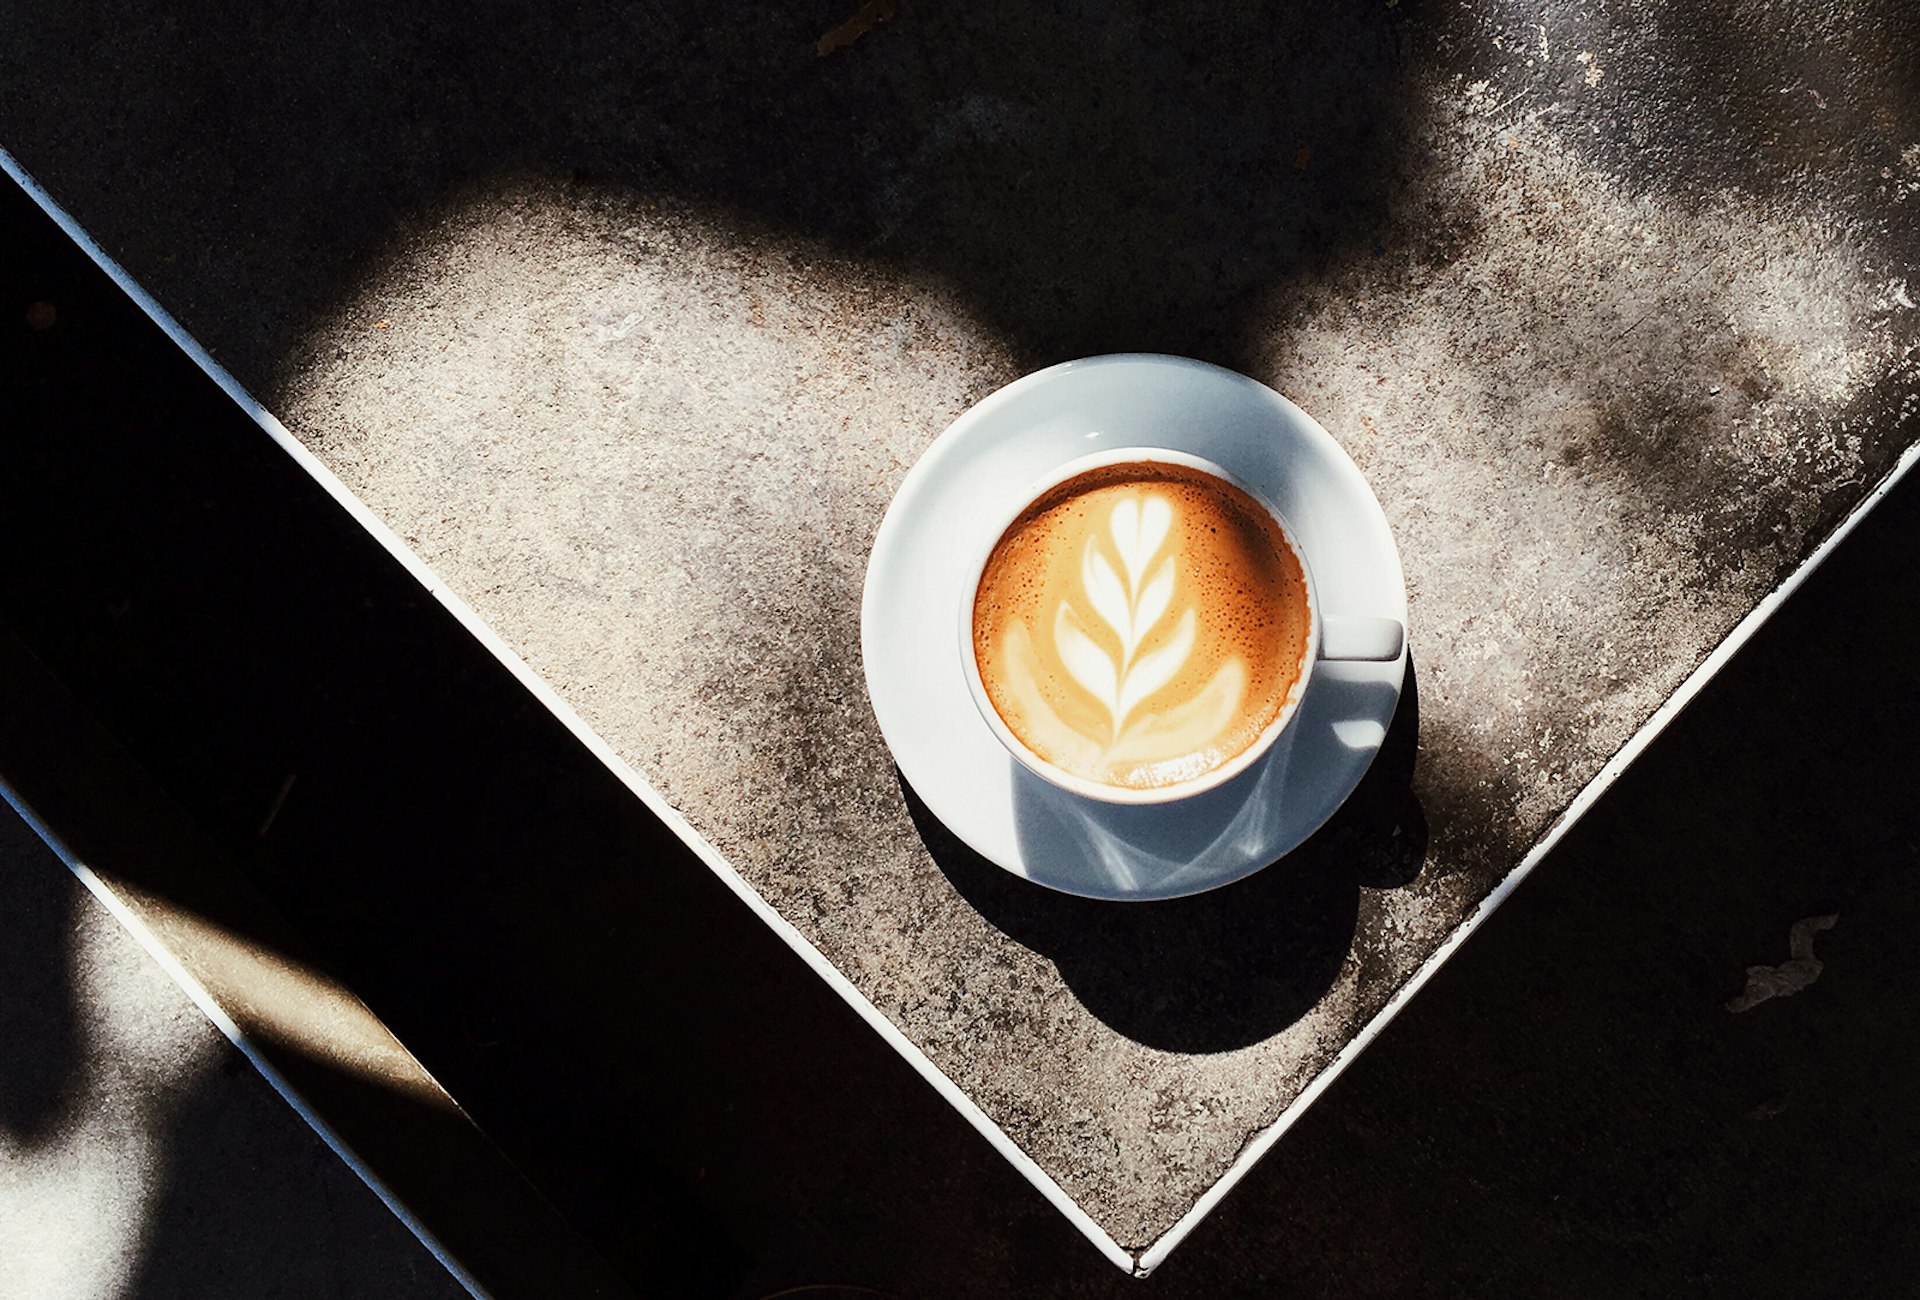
(140, 1154)
(1614, 308)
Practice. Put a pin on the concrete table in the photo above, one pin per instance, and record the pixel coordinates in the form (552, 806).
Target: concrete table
(623, 329)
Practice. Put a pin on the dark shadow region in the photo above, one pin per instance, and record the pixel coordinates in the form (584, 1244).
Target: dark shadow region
(39, 1024)
(1089, 178)
(1232, 966)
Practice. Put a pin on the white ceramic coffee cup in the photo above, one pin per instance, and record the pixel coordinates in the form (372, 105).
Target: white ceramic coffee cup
(1374, 639)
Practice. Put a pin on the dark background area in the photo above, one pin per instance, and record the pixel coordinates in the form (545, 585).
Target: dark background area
(1567, 1109)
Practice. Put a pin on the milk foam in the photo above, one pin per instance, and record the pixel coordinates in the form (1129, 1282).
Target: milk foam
(1141, 624)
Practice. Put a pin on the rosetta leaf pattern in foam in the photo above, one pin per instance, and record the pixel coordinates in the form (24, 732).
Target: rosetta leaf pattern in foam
(1152, 605)
(1086, 660)
(1131, 601)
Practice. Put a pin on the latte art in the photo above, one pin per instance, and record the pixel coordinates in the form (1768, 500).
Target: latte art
(1141, 624)
(1129, 606)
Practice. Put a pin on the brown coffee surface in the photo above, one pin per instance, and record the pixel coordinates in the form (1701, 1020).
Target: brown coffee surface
(1141, 624)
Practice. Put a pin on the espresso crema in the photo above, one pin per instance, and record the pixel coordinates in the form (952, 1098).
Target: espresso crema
(1141, 624)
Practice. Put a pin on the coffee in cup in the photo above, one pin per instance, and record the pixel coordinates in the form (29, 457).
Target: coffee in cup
(1143, 627)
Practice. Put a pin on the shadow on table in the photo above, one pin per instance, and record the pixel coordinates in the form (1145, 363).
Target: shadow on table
(1233, 966)
(1088, 178)
(39, 1015)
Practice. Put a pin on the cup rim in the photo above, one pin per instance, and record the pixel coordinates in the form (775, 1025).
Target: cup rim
(1083, 786)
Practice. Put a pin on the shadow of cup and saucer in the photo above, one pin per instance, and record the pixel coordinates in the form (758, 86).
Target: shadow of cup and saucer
(1231, 966)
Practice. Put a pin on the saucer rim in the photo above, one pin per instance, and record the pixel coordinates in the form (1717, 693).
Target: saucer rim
(939, 454)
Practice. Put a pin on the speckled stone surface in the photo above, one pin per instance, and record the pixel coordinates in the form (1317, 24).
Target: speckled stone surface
(1614, 306)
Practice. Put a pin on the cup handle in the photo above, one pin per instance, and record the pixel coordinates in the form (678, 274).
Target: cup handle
(1375, 640)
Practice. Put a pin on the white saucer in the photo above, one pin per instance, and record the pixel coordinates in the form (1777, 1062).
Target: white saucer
(970, 478)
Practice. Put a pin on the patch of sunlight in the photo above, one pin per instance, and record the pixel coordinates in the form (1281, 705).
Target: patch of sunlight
(278, 1000)
(75, 1202)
